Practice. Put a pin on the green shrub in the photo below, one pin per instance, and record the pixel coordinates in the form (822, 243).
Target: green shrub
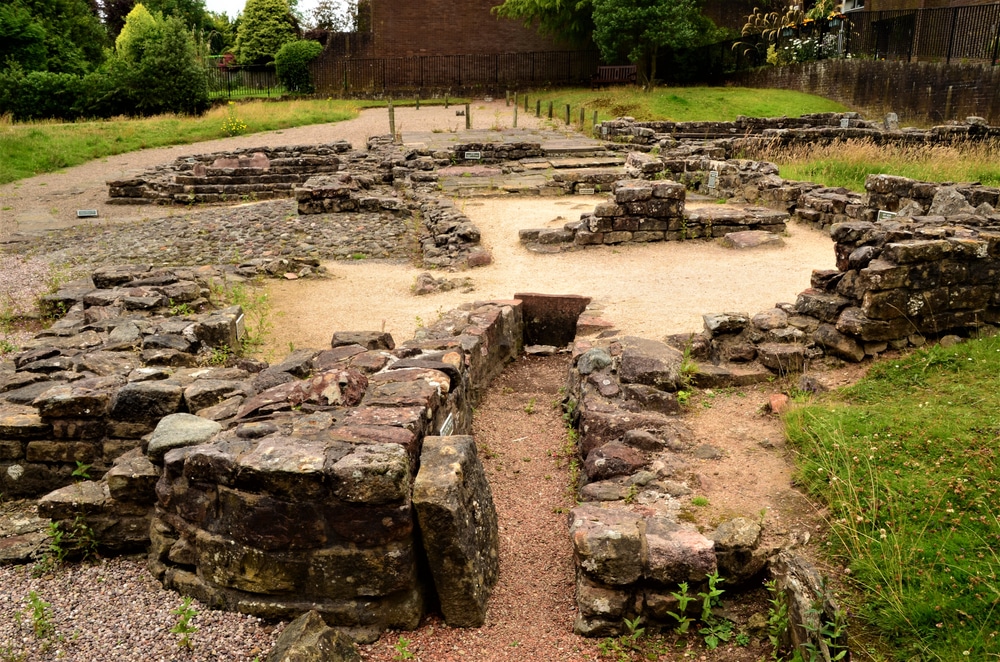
(264, 27)
(291, 63)
(39, 94)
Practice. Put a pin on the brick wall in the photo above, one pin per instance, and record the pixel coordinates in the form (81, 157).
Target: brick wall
(446, 27)
(920, 93)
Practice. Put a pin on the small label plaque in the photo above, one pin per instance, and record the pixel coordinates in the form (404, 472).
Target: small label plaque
(884, 215)
(86, 213)
(845, 123)
(473, 156)
(447, 427)
(713, 179)
(585, 191)
(241, 328)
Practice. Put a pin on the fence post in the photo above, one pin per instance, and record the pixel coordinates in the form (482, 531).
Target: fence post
(392, 121)
(538, 107)
(594, 128)
(418, 100)
(550, 110)
(996, 46)
(951, 34)
(526, 100)
(506, 94)
(468, 117)
(515, 114)
(567, 115)
(583, 117)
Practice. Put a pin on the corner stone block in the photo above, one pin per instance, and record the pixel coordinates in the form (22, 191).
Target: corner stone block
(374, 474)
(607, 543)
(458, 523)
(226, 563)
(309, 639)
(651, 363)
(146, 401)
(677, 553)
(84, 498)
(348, 573)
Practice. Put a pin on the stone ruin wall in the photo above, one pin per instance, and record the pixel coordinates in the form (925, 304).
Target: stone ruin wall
(329, 436)
(273, 490)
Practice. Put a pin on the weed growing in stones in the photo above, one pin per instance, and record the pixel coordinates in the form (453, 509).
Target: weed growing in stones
(81, 472)
(75, 541)
(41, 621)
(402, 650)
(183, 627)
(530, 407)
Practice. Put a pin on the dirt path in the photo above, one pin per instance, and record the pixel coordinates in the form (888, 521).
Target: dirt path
(520, 437)
(50, 201)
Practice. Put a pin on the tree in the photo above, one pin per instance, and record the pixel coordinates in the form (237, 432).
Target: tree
(264, 27)
(291, 64)
(638, 29)
(70, 32)
(22, 40)
(335, 15)
(156, 65)
(568, 20)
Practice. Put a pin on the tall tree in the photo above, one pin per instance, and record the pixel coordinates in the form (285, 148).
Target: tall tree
(638, 29)
(74, 39)
(335, 15)
(156, 65)
(567, 20)
(264, 27)
(22, 40)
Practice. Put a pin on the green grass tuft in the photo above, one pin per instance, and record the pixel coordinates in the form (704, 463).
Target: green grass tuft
(907, 461)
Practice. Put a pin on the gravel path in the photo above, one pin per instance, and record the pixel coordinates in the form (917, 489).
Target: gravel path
(112, 611)
(520, 437)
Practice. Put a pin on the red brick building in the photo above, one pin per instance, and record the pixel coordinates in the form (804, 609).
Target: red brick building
(450, 27)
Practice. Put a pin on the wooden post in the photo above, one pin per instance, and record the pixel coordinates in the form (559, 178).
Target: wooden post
(567, 115)
(538, 108)
(468, 117)
(507, 99)
(392, 121)
(446, 102)
(418, 102)
(594, 127)
(526, 100)
(515, 113)
(550, 110)
(583, 117)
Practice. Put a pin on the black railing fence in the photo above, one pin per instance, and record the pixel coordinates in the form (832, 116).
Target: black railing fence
(950, 35)
(947, 34)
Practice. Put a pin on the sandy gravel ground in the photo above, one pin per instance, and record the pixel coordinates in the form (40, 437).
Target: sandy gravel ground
(645, 289)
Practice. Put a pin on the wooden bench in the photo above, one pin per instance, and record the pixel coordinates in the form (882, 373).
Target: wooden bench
(614, 75)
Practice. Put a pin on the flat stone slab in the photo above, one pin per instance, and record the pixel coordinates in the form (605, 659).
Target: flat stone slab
(752, 239)
(178, 431)
(458, 523)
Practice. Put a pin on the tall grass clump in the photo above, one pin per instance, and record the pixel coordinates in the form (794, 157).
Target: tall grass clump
(847, 162)
(907, 462)
(685, 104)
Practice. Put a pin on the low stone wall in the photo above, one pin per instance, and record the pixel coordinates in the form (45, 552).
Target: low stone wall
(642, 211)
(818, 128)
(87, 389)
(295, 488)
(258, 173)
(909, 197)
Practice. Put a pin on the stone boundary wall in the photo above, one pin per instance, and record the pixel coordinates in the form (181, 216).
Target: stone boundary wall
(920, 92)
(822, 128)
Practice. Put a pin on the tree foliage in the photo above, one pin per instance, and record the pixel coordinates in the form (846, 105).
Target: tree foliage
(264, 27)
(567, 20)
(291, 64)
(54, 35)
(638, 29)
(22, 40)
(335, 15)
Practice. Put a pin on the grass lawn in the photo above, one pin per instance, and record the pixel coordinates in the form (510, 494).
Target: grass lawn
(683, 104)
(907, 461)
(38, 147)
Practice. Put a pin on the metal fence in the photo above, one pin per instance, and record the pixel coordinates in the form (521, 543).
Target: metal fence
(947, 34)
(441, 72)
(228, 82)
